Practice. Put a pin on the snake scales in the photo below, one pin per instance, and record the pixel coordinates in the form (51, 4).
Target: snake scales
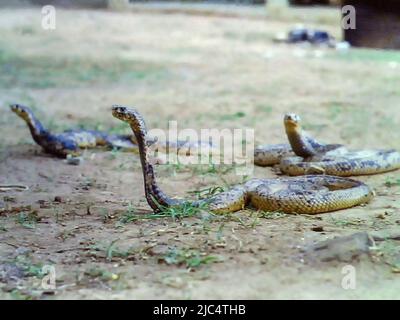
(304, 155)
(307, 194)
(72, 142)
(69, 142)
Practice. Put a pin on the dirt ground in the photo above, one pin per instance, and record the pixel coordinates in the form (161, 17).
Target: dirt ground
(92, 223)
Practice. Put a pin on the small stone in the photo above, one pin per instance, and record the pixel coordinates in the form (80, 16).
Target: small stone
(318, 228)
(75, 161)
(58, 199)
(396, 269)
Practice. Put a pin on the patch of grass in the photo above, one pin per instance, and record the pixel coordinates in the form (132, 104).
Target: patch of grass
(335, 110)
(280, 11)
(392, 182)
(257, 37)
(212, 169)
(102, 274)
(188, 257)
(57, 214)
(179, 211)
(271, 215)
(25, 30)
(17, 294)
(17, 70)
(206, 193)
(266, 108)
(128, 217)
(356, 123)
(315, 127)
(111, 251)
(30, 269)
(234, 116)
(368, 55)
(66, 234)
(27, 220)
(391, 254)
(184, 210)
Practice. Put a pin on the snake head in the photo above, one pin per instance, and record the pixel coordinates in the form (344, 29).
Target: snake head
(120, 112)
(292, 120)
(22, 111)
(124, 113)
(130, 116)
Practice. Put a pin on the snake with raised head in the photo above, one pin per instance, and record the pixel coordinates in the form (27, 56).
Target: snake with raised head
(72, 142)
(302, 195)
(304, 155)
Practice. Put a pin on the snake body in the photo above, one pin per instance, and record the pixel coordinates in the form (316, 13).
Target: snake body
(69, 142)
(72, 142)
(307, 195)
(304, 155)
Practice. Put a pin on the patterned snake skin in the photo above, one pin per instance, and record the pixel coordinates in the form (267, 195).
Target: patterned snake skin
(70, 142)
(303, 195)
(304, 155)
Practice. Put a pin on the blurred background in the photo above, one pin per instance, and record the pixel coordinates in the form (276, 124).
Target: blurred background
(217, 63)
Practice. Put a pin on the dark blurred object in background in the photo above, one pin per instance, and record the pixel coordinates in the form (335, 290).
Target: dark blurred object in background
(317, 37)
(377, 24)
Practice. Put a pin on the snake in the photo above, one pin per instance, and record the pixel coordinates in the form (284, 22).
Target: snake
(72, 142)
(310, 194)
(305, 155)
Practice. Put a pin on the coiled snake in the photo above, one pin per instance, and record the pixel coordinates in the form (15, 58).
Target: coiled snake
(308, 194)
(304, 155)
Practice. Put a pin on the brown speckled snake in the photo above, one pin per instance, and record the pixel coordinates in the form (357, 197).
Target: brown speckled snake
(304, 155)
(304, 195)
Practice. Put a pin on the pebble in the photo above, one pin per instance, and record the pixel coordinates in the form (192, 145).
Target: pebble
(58, 199)
(317, 229)
(75, 161)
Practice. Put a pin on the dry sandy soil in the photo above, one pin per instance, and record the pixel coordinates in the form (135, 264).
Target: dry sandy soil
(92, 222)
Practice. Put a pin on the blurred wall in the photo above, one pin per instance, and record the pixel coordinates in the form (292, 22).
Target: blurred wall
(377, 24)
